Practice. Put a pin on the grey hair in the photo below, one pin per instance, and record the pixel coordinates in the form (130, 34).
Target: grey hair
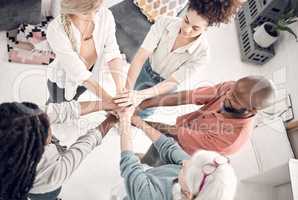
(65, 20)
(221, 185)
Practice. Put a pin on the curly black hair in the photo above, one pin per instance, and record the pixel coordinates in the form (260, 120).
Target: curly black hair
(23, 134)
(215, 11)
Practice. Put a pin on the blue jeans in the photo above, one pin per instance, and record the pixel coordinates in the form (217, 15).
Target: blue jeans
(147, 79)
(57, 94)
(46, 196)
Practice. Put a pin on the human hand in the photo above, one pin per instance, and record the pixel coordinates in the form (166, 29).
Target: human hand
(114, 113)
(126, 113)
(137, 111)
(111, 118)
(119, 91)
(137, 121)
(107, 124)
(129, 98)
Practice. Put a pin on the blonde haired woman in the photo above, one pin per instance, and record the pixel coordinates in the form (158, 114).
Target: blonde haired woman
(81, 36)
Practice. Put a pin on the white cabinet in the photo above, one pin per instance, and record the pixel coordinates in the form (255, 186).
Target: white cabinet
(264, 159)
(244, 162)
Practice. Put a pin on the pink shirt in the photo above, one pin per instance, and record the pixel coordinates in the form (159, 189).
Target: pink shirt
(208, 128)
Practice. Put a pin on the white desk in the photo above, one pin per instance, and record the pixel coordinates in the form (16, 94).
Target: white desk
(265, 157)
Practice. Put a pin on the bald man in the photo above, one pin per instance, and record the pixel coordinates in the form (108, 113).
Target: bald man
(222, 124)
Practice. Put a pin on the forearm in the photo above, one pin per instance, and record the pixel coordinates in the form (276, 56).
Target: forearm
(95, 106)
(159, 89)
(70, 160)
(107, 124)
(170, 99)
(136, 67)
(133, 73)
(94, 87)
(116, 67)
(126, 136)
(151, 132)
(163, 128)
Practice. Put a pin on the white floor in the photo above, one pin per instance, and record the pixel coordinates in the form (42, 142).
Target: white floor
(100, 171)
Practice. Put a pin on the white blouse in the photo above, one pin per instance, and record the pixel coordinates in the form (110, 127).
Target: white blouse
(68, 69)
(182, 63)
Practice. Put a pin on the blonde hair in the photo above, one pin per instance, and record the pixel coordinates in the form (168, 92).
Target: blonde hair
(72, 7)
(220, 185)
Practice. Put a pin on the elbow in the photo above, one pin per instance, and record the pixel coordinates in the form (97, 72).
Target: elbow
(114, 60)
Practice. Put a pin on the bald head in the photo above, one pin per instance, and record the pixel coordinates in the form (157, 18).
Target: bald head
(256, 92)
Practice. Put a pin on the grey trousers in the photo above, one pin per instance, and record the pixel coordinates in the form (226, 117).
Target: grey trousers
(147, 79)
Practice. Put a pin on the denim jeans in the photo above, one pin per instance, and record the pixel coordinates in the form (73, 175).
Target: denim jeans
(57, 94)
(147, 79)
(46, 196)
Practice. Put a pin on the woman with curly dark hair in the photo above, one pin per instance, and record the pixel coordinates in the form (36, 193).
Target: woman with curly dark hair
(30, 162)
(176, 49)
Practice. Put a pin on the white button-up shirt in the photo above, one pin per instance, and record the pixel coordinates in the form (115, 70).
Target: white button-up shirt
(184, 62)
(68, 70)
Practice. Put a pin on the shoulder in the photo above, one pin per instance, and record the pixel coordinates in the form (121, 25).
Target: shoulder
(204, 42)
(226, 86)
(55, 25)
(105, 14)
(214, 91)
(202, 47)
(49, 156)
(167, 20)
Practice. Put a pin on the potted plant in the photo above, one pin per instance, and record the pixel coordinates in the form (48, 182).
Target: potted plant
(268, 33)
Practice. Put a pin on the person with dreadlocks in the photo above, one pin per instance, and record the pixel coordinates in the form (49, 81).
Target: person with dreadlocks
(30, 163)
(174, 51)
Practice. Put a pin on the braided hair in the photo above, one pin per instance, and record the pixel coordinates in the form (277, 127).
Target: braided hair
(23, 134)
(215, 11)
(65, 20)
(70, 7)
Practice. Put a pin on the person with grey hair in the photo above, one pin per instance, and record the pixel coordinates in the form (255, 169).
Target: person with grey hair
(83, 40)
(204, 176)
